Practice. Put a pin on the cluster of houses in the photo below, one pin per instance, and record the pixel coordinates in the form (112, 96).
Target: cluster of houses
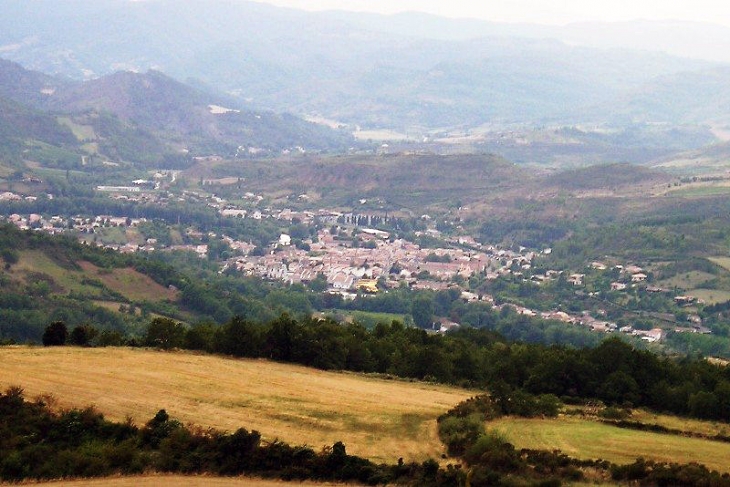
(376, 259)
(368, 261)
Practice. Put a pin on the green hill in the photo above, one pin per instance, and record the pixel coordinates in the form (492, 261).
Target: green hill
(145, 119)
(614, 177)
(413, 181)
(188, 118)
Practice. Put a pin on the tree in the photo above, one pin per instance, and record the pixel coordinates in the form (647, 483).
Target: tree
(55, 334)
(165, 333)
(319, 283)
(10, 256)
(240, 338)
(83, 334)
(422, 312)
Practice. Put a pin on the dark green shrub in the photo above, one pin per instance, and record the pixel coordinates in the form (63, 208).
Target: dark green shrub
(55, 334)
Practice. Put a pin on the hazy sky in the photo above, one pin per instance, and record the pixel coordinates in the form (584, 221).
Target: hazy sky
(537, 11)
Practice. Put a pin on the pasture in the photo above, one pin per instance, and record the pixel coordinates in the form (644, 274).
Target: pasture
(586, 439)
(34, 265)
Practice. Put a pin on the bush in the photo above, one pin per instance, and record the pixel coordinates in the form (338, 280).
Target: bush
(459, 433)
(493, 451)
(55, 334)
(82, 335)
(615, 413)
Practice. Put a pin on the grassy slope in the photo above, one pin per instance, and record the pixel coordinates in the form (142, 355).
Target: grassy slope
(128, 282)
(689, 425)
(413, 181)
(589, 439)
(380, 419)
(686, 280)
(723, 262)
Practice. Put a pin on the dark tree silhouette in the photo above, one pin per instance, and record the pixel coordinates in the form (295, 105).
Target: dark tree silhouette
(55, 334)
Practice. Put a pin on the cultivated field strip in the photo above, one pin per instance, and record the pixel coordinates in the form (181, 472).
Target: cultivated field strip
(376, 418)
(587, 439)
(176, 480)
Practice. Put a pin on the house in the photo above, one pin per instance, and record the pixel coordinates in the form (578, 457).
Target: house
(342, 281)
(8, 196)
(376, 233)
(694, 319)
(233, 212)
(632, 269)
(684, 300)
(576, 279)
(618, 286)
(469, 297)
(651, 336)
(639, 277)
(284, 240)
(447, 325)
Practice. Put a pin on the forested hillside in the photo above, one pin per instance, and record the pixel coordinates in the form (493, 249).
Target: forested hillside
(140, 119)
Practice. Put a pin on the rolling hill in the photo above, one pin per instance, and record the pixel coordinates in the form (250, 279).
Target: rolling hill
(189, 118)
(620, 178)
(18, 122)
(376, 418)
(144, 119)
(413, 181)
(686, 97)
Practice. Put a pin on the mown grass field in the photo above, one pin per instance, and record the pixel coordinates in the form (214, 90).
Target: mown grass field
(81, 132)
(686, 280)
(701, 189)
(366, 318)
(723, 262)
(376, 418)
(710, 296)
(34, 261)
(709, 428)
(583, 438)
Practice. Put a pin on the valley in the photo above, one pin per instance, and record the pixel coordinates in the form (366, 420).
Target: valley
(247, 243)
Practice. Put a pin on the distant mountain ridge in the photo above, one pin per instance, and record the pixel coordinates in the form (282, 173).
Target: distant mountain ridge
(25, 86)
(695, 97)
(363, 70)
(697, 40)
(152, 111)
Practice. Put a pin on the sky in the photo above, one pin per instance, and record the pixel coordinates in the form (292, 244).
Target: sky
(536, 11)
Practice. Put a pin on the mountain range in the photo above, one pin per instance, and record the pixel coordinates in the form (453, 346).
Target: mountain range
(139, 118)
(411, 72)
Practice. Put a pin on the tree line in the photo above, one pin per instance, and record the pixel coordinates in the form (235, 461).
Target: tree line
(613, 372)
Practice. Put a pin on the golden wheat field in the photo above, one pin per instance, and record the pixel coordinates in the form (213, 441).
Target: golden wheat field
(174, 480)
(376, 418)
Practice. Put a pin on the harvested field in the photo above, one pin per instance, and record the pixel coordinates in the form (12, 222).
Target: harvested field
(376, 418)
